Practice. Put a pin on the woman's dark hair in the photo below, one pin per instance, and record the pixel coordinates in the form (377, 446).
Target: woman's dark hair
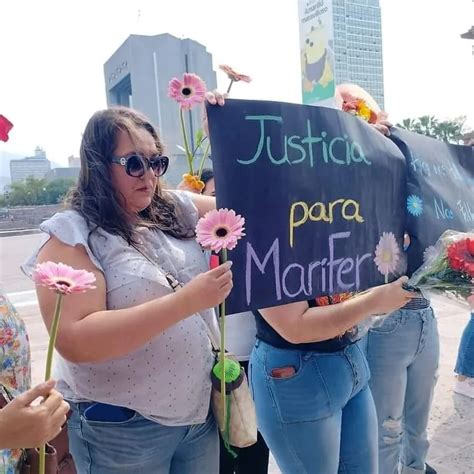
(206, 175)
(95, 197)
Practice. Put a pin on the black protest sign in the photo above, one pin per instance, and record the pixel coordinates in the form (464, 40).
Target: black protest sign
(440, 190)
(323, 195)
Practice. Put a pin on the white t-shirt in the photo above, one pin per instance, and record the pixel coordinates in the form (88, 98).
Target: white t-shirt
(240, 334)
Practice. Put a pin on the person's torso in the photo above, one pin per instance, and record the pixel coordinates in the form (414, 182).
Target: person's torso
(168, 378)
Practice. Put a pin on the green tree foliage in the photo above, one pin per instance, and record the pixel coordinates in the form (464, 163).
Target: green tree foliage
(58, 189)
(450, 131)
(35, 192)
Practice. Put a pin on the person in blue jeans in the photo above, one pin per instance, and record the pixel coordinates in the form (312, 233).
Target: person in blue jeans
(403, 355)
(309, 380)
(465, 361)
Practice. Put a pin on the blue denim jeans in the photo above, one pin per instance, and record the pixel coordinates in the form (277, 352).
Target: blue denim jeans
(403, 356)
(465, 361)
(139, 445)
(321, 419)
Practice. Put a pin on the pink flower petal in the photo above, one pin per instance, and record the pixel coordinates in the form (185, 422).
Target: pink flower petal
(63, 278)
(196, 90)
(207, 225)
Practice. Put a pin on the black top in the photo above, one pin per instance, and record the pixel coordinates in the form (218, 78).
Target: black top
(267, 334)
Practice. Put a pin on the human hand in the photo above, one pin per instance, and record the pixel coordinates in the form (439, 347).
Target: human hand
(383, 125)
(23, 425)
(383, 128)
(389, 297)
(216, 98)
(208, 289)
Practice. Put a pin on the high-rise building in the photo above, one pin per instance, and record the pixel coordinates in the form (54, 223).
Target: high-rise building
(358, 45)
(36, 166)
(137, 75)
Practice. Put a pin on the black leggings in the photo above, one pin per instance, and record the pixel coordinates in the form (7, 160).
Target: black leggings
(251, 460)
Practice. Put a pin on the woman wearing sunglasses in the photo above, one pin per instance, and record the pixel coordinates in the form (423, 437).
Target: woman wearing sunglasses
(134, 355)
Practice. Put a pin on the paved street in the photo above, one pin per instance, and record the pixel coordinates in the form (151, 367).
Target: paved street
(452, 418)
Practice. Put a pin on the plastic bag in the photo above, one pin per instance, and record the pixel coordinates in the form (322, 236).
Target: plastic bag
(448, 269)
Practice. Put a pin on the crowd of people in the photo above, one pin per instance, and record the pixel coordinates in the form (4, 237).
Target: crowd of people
(141, 403)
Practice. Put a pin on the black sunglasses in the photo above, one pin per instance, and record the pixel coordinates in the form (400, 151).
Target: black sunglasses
(137, 165)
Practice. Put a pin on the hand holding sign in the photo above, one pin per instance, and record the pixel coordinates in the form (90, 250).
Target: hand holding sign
(313, 222)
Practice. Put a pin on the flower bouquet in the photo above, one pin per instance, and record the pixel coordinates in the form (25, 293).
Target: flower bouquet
(358, 107)
(448, 268)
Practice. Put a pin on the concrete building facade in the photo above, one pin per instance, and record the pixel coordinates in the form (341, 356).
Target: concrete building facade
(37, 166)
(137, 75)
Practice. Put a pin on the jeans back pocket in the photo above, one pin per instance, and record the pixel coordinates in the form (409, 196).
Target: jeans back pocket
(302, 396)
(389, 324)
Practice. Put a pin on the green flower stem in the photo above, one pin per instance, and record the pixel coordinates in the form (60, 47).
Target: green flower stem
(203, 159)
(230, 85)
(222, 351)
(49, 362)
(186, 144)
(199, 144)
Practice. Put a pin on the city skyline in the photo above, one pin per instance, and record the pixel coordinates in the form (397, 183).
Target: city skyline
(54, 78)
(36, 166)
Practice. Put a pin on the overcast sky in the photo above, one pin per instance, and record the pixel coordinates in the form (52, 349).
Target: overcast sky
(52, 55)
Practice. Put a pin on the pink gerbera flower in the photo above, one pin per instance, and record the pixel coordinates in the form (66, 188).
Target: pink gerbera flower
(233, 75)
(349, 102)
(62, 278)
(387, 254)
(188, 92)
(220, 229)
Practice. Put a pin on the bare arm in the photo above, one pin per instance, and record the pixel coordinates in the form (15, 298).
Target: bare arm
(298, 323)
(88, 332)
(204, 203)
